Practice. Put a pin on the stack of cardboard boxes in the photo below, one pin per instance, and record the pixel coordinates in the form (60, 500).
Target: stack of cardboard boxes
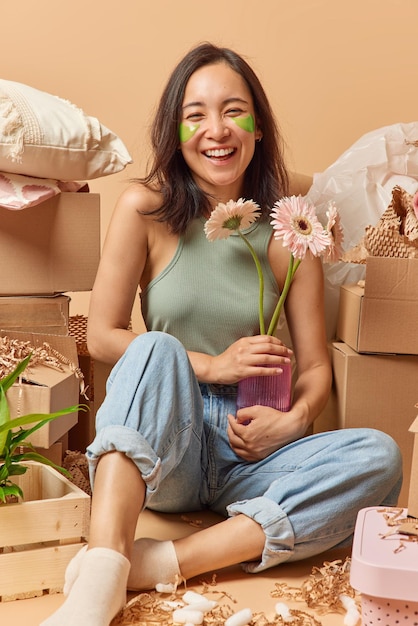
(375, 360)
(47, 251)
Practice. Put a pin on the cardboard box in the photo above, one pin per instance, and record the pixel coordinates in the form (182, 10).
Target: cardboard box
(46, 390)
(55, 452)
(382, 317)
(48, 315)
(40, 535)
(50, 248)
(377, 391)
(413, 486)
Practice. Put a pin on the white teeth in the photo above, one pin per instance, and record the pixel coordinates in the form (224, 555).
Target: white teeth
(219, 153)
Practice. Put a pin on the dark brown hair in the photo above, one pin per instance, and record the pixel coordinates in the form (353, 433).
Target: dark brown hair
(266, 178)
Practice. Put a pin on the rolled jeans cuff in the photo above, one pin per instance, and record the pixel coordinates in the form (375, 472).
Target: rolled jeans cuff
(280, 538)
(134, 446)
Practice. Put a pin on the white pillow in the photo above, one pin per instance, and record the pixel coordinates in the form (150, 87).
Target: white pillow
(46, 136)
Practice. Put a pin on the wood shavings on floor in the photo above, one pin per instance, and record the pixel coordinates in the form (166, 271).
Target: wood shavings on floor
(324, 591)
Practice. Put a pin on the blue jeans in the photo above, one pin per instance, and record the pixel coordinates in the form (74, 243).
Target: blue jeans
(305, 496)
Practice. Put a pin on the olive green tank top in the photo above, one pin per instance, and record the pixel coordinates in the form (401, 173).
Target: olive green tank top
(208, 294)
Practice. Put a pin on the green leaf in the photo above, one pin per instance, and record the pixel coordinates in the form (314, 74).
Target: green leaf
(35, 456)
(20, 438)
(5, 383)
(4, 407)
(4, 472)
(40, 417)
(10, 490)
(4, 418)
(11, 378)
(17, 470)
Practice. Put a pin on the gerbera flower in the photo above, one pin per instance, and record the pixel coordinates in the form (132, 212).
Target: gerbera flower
(334, 251)
(229, 217)
(232, 217)
(294, 221)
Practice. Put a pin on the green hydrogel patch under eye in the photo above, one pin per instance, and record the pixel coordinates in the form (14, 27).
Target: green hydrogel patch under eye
(187, 132)
(246, 123)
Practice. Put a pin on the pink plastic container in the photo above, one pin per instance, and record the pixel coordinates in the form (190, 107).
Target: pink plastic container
(387, 581)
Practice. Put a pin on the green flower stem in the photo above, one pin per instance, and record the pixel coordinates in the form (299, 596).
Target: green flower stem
(261, 282)
(291, 270)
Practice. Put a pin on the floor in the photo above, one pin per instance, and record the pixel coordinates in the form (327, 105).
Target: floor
(242, 590)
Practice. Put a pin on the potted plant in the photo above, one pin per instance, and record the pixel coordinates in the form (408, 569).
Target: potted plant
(12, 441)
(44, 517)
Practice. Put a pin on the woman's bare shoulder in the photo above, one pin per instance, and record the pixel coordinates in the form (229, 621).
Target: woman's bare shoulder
(140, 199)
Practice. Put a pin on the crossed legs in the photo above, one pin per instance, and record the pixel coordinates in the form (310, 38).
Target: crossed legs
(100, 576)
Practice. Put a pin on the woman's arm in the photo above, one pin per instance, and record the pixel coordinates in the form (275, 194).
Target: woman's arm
(306, 321)
(122, 264)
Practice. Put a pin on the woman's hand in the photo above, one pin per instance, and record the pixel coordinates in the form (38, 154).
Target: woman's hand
(257, 431)
(248, 357)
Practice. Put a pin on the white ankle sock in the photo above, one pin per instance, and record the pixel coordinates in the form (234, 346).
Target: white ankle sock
(153, 562)
(73, 569)
(97, 593)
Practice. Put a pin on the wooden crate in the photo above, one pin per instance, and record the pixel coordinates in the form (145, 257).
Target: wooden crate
(39, 536)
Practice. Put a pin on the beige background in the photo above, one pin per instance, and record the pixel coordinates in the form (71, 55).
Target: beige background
(333, 70)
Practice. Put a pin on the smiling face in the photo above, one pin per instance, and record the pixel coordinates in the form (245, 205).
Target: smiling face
(218, 130)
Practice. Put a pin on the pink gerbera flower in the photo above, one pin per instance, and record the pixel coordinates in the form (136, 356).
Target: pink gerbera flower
(234, 216)
(334, 229)
(229, 217)
(295, 222)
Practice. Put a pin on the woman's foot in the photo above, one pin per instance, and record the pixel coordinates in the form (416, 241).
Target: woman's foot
(98, 589)
(153, 562)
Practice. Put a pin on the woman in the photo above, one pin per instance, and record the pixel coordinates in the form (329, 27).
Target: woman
(168, 433)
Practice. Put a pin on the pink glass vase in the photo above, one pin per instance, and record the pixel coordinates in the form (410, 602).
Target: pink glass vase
(274, 391)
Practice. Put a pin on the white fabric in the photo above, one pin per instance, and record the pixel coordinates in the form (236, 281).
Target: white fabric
(46, 136)
(153, 562)
(98, 591)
